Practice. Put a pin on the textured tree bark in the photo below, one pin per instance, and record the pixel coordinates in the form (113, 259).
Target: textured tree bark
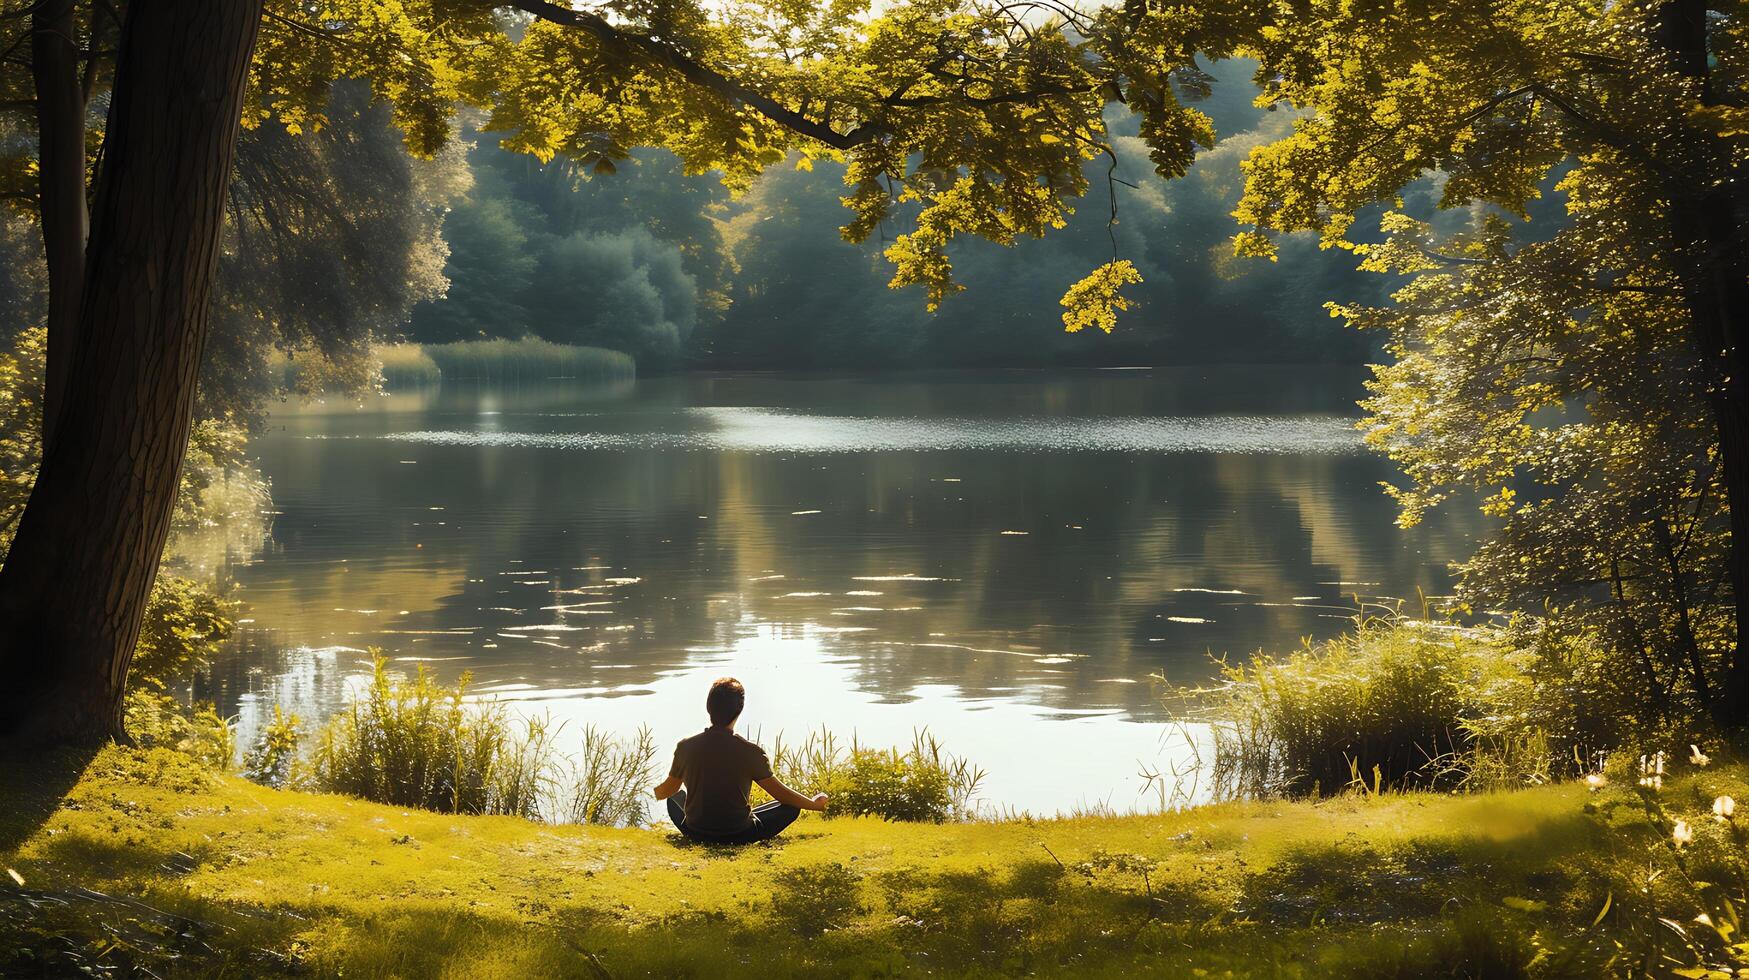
(1706, 222)
(60, 126)
(74, 586)
(1719, 306)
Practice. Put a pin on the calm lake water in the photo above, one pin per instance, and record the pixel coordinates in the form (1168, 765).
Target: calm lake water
(1003, 558)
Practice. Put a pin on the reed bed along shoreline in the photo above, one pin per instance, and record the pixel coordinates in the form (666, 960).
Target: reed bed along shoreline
(411, 366)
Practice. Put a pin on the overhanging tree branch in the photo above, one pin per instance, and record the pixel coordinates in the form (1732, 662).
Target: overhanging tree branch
(803, 125)
(701, 76)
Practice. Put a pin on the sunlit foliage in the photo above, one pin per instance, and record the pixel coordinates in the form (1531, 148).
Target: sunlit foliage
(974, 118)
(1399, 704)
(1575, 378)
(331, 238)
(922, 783)
(1097, 300)
(414, 742)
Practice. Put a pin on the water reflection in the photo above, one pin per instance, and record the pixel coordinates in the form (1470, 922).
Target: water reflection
(768, 431)
(1004, 558)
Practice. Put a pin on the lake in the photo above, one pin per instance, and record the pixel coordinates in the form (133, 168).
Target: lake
(1004, 558)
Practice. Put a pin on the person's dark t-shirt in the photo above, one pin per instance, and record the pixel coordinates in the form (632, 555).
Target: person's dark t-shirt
(718, 769)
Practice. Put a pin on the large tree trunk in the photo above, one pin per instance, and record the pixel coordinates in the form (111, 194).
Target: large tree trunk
(60, 127)
(1706, 224)
(1719, 311)
(75, 583)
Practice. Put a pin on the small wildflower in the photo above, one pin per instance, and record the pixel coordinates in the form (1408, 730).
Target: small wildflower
(1682, 834)
(1724, 808)
(1596, 781)
(1696, 756)
(1652, 771)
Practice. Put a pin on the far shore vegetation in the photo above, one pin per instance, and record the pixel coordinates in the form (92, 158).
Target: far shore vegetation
(409, 366)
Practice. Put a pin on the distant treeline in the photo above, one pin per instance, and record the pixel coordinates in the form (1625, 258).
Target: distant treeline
(668, 267)
(338, 242)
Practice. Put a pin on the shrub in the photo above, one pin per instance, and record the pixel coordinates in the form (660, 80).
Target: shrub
(155, 720)
(1393, 703)
(220, 482)
(417, 743)
(922, 783)
(405, 366)
(890, 784)
(1596, 695)
(269, 761)
(518, 768)
(184, 625)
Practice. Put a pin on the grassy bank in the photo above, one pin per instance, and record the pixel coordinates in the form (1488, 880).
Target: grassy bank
(151, 859)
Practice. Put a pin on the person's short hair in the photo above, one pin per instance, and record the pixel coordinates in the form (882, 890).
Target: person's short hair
(725, 701)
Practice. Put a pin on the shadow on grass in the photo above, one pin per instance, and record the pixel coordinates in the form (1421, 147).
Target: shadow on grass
(32, 786)
(1358, 882)
(80, 932)
(813, 919)
(711, 849)
(816, 898)
(1317, 911)
(822, 918)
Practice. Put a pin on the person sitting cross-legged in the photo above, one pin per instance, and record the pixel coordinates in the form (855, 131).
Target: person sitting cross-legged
(714, 772)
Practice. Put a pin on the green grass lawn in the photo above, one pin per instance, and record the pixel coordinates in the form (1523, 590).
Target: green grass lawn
(149, 859)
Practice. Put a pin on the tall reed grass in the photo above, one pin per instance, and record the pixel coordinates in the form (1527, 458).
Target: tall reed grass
(406, 366)
(528, 359)
(608, 781)
(1391, 704)
(411, 366)
(414, 742)
(410, 741)
(417, 743)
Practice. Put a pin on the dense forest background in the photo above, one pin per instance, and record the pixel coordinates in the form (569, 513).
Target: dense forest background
(339, 238)
(673, 270)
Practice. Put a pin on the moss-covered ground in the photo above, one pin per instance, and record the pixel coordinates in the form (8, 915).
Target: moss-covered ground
(147, 860)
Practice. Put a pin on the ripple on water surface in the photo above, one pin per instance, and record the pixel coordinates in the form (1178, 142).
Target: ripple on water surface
(770, 430)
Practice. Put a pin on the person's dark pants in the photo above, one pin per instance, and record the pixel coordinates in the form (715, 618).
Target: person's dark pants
(769, 820)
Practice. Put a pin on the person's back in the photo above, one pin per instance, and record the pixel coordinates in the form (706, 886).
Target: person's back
(712, 777)
(718, 768)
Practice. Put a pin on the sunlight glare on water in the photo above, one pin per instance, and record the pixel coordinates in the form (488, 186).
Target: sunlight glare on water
(772, 431)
